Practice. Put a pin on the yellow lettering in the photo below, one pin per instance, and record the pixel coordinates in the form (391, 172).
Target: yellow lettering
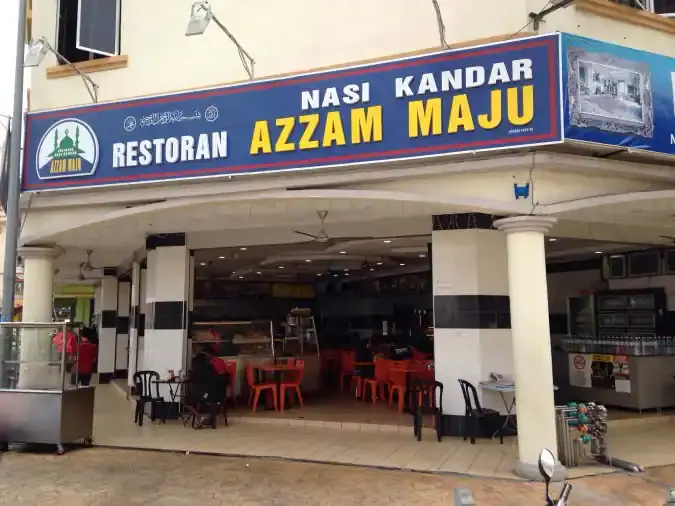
(333, 132)
(528, 105)
(366, 124)
(260, 141)
(460, 115)
(282, 144)
(424, 117)
(306, 140)
(492, 120)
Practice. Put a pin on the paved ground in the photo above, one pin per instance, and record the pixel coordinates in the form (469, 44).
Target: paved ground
(104, 477)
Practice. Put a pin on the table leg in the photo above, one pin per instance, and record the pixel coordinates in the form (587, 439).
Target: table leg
(508, 415)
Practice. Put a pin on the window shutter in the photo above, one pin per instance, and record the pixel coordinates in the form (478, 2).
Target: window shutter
(98, 23)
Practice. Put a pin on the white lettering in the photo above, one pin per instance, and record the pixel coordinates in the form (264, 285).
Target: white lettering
(451, 80)
(475, 76)
(172, 151)
(331, 98)
(521, 69)
(118, 155)
(403, 86)
(145, 158)
(309, 100)
(132, 154)
(428, 84)
(159, 147)
(499, 74)
(672, 138)
(219, 145)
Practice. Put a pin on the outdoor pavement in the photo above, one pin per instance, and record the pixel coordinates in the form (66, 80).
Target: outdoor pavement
(106, 477)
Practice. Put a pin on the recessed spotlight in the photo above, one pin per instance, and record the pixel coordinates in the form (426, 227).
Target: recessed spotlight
(422, 255)
(343, 252)
(598, 252)
(308, 261)
(371, 269)
(234, 272)
(379, 263)
(241, 277)
(242, 248)
(346, 270)
(281, 267)
(222, 258)
(202, 264)
(402, 264)
(346, 274)
(258, 273)
(387, 241)
(319, 274)
(335, 275)
(552, 239)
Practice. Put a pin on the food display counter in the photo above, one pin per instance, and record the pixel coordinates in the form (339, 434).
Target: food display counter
(636, 373)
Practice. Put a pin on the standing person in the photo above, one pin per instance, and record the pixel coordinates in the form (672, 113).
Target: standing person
(84, 364)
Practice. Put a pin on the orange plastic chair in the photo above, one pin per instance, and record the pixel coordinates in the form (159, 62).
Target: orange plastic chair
(294, 383)
(397, 385)
(231, 368)
(256, 388)
(379, 380)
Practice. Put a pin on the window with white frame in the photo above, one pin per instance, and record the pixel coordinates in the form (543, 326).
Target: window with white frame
(662, 7)
(88, 29)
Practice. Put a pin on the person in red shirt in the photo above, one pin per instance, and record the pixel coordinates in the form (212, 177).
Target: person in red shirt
(216, 362)
(84, 365)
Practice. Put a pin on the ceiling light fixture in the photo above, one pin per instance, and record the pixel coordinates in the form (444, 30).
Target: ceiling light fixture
(552, 239)
(258, 273)
(243, 248)
(343, 252)
(422, 255)
(202, 264)
(402, 264)
(308, 261)
(372, 270)
(598, 252)
(281, 267)
(319, 274)
(379, 263)
(387, 241)
(241, 277)
(222, 258)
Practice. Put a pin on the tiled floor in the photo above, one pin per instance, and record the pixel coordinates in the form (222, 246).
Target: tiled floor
(368, 444)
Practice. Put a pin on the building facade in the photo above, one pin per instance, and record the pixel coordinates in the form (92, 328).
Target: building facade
(199, 143)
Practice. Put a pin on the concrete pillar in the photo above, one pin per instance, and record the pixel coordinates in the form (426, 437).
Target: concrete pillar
(134, 317)
(166, 296)
(38, 307)
(531, 338)
(472, 333)
(107, 332)
(122, 326)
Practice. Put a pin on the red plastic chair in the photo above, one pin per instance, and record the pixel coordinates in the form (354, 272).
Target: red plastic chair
(397, 385)
(379, 380)
(231, 367)
(256, 388)
(294, 383)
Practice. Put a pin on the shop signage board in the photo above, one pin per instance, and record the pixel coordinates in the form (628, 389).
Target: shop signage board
(492, 97)
(599, 371)
(617, 95)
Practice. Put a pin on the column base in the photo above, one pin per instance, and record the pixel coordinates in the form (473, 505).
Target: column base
(531, 471)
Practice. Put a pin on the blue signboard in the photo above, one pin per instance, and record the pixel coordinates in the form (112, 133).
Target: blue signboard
(618, 96)
(498, 96)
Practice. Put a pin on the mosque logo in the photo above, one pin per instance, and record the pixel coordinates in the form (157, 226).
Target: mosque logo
(69, 148)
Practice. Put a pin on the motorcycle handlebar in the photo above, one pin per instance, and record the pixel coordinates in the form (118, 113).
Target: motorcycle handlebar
(567, 488)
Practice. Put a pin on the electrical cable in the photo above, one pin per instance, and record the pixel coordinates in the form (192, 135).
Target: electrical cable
(441, 25)
(529, 21)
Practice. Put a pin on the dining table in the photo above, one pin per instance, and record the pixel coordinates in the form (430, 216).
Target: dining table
(276, 370)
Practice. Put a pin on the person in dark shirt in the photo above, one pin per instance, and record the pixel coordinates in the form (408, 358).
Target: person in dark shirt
(216, 362)
(207, 388)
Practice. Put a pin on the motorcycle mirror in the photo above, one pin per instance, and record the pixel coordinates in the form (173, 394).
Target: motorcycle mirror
(546, 464)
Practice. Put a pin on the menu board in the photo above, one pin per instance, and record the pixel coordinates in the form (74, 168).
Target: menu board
(599, 371)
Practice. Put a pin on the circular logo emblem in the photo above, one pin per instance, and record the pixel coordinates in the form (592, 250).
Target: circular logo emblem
(211, 113)
(579, 362)
(69, 148)
(130, 123)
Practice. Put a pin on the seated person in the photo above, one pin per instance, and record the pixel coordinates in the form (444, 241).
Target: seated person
(216, 362)
(401, 351)
(206, 388)
(364, 354)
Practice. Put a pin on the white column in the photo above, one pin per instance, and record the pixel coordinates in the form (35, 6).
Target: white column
(531, 339)
(122, 328)
(167, 293)
(472, 335)
(134, 318)
(38, 307)
(107, 338)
